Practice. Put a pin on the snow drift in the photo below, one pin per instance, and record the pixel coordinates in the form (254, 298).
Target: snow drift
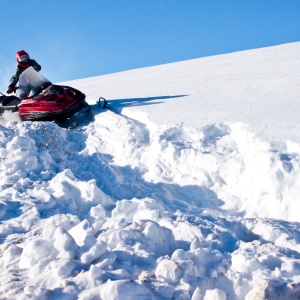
(186, 188)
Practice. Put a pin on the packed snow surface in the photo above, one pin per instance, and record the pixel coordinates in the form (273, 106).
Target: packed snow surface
(186, 187)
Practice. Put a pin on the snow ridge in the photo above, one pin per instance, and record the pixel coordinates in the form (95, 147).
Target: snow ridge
(126, 209)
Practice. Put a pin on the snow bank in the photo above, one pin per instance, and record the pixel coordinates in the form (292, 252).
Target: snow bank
(62, 222)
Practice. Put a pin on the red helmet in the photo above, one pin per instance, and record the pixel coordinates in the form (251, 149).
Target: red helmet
(23, 58)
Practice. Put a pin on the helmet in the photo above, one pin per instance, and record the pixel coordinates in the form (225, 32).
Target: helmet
(23, 58)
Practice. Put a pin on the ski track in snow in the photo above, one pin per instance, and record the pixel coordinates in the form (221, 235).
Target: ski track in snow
(124, 208)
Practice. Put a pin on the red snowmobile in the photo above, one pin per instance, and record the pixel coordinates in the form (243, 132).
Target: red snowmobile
(37, 99)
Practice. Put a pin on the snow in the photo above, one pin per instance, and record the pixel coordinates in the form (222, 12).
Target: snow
(186, 188)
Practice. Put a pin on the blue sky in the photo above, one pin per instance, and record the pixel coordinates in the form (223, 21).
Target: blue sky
(74, 39)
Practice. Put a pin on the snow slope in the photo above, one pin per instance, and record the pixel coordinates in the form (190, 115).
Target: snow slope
(186, 188)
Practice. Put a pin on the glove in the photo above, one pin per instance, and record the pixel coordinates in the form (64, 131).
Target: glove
(37, 68)
(11, 89)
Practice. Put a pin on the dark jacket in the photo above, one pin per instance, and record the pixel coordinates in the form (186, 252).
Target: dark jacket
(15, 78)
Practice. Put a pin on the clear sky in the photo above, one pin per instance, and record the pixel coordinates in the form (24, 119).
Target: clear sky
(74, 39)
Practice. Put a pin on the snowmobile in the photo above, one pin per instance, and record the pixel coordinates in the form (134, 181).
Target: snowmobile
(37, 99)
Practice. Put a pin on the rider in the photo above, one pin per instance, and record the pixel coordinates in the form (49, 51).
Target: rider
(24, 62)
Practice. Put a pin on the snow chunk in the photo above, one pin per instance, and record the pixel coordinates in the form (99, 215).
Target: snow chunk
(245, 262)
(125, 290)
(97, 212)
(62, 267)
(168, 271)
(125, 209)
(197, 295)
(119, 238)
(95, 251)
(274, 289)
(159, 240)
(78, 196)
(35, 251)
(79, 232)
(65, 244)
(10, 255)
(34, 292)
(215, 295)
(22, 155)
(291, 268)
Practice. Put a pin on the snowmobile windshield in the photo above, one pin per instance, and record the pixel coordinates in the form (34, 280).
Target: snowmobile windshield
(31, 83)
